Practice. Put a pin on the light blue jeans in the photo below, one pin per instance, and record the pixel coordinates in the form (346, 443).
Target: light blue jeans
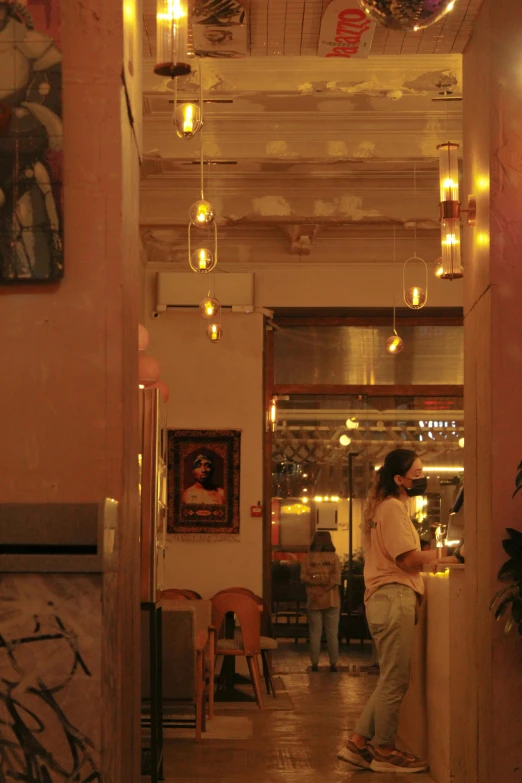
(330, 619)
(391, 618)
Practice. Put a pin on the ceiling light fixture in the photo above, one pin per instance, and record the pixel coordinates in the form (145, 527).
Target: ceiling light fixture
(214, 332)
(172, 38)
(209, 307)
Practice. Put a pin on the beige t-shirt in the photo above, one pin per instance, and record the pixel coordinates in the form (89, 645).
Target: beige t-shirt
(391, 534)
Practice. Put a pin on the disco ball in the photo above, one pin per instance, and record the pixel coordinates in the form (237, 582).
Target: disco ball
(406, 15)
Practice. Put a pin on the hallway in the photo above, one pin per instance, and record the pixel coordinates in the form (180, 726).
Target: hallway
(295, 742)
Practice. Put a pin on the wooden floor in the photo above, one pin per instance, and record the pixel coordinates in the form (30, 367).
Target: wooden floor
(296, 745)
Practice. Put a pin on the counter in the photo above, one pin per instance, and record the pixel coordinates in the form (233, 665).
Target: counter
(433, 714)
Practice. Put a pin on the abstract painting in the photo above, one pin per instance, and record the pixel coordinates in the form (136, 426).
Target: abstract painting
(203, 483)
(31, 142)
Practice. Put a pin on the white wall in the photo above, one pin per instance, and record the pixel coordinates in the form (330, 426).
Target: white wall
(216, 387)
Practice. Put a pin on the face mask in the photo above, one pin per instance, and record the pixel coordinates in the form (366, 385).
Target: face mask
(418, 487)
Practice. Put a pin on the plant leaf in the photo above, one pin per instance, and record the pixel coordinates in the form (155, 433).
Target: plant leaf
(501, 608)
(516, 535)
(516, 610)
(509, 625)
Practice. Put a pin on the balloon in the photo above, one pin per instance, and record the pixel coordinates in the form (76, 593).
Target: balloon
(406, 15)
(143, 338)
(148, 369)
(162, 386)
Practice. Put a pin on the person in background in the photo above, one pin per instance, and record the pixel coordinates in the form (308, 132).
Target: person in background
(321, 573)
(394, 587)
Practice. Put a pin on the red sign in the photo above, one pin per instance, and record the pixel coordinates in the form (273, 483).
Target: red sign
(256, 511)
(346, 31)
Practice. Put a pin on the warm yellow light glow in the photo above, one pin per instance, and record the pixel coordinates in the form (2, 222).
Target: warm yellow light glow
(209, 307)
(201, 213)
(318, 499)
(187, 120)
(141, 386)
(344, 440)
(461, 443)
(450, 239)
(173, 10)
(483, 239)
(444, 469)
(394, 344)
(202, 260)
(439, 269)
(294, 508)
(326, 498)
(449, 171)
(451, 5)
(415, 298)
(304, 500)
(335, 499)
(214, 333)
(352, 424)
(172, 38)
(482, 183)
(272, 414)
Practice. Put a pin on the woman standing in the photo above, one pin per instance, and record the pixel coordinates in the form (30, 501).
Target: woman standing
(394, 589)
(321, 573)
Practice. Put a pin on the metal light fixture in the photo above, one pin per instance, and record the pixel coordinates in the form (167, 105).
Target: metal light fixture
(202, 260)
(214, 332)
(172, 38)
(209, 307)
(352, 424)
(451, 211)
(395, 344)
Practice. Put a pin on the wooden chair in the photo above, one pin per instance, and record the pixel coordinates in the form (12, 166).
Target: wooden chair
(174, 594)
(267, 640)
(249, 644)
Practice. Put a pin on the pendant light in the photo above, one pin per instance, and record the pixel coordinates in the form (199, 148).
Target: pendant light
(187, 114)
(214, 332)
(202, 216)
(394, 344)
(172, 38)
(415, 297)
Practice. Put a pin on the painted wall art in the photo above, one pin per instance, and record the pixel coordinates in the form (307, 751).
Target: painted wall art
(31, 142)
(203, 483)
(219, 28)
(50, 684)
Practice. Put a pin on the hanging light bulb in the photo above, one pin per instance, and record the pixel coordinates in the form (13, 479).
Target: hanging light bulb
(187, 120)
(461, 443)
(352, 424)
(415, 298)
(202, 213)
(394, 344)
(209, 307)
(202, 260)
(344, 440)
(172, 38)
(214, 332)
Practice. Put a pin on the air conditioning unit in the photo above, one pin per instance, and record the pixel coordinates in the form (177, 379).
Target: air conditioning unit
(186, 290)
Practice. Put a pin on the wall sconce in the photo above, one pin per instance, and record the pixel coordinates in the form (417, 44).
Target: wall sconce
(415, 297)
(451, 212)
(271, 416)
(172, 38)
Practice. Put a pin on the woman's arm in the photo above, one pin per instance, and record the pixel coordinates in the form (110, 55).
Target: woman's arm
(416, 559)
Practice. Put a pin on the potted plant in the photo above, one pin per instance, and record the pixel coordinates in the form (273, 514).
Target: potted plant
(510, 596)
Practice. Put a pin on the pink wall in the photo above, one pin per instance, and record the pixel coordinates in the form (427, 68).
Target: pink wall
(493, 377)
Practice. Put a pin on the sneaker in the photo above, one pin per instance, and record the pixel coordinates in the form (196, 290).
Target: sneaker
(359, 757)
(314, 667)
(333, 667)
(397, 761)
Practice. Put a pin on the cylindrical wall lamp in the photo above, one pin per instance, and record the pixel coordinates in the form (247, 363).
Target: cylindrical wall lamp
(451, 264)
(449, 180)
(451, 212)
(172, 38)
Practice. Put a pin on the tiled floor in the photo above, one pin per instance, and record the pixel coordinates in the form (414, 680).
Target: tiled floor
(293, 746)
